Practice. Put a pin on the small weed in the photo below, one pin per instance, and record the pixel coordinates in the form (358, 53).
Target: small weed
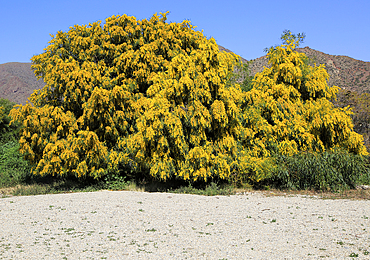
(273, 220)
(151, 230)
(353, 255)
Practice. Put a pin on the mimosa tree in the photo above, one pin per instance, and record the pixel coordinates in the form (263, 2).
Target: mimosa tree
(148, 95)
(289, 108)
(288, 111)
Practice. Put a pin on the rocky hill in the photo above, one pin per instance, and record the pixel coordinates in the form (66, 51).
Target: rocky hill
(345, 72)
(17, 80)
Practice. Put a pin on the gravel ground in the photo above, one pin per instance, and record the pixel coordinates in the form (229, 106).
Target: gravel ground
(140, 225)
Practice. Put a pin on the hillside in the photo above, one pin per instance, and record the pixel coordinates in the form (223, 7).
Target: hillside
(17, 81)
(345, 72)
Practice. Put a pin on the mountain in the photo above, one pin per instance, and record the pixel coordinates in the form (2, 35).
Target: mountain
(345, 72)
(17, 80)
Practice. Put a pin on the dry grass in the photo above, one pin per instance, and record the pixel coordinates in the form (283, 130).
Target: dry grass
(358, 194)
(35, 189)
(6, 192)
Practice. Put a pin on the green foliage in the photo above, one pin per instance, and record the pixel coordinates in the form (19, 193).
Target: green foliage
(329, 170)
(287, 37)
(7, 132)
(242, 76)
(209, 190)
(13, 168)
(116, 182)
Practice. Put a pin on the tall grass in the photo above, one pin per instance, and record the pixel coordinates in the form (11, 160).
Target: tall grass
(330, 170)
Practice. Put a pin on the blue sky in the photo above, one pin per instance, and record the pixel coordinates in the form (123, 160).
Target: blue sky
(338, 27)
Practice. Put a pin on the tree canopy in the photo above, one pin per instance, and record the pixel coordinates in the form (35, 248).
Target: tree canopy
(148, 94)
(288, 107)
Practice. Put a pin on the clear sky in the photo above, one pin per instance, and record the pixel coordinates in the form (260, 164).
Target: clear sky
(338, 27)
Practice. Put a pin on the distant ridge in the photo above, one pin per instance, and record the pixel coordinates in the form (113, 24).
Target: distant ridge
(17, 80)
(345, 72)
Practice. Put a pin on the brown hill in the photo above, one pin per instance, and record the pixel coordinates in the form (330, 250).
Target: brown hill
(345, 72)
(17, 81)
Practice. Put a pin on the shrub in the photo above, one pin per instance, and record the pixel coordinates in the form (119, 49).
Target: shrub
(13, 168)
(7, 132)
(329, 170)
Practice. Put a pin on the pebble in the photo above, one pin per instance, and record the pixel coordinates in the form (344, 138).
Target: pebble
(142, 225)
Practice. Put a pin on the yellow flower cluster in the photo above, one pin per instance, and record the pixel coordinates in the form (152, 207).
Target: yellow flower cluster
(2, 114)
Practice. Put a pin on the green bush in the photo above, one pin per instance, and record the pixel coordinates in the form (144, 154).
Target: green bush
(329, 170)
(7, 132)
(13, 168)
